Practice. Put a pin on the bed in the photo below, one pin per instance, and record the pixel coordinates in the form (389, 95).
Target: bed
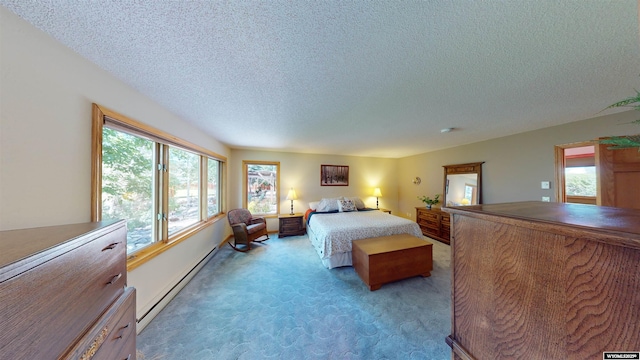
(332, 232)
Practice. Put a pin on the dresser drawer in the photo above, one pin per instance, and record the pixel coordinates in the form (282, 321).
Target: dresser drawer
(122, 341)
(446, 220)
(127, 352)
(428, 216)
(428, 224)
(110, 334)
(293, 224)
(428, 220)
(48, 306)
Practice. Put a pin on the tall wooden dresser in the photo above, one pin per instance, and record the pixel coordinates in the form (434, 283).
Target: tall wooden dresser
(536, 280)
(63, 293)
(434, 223)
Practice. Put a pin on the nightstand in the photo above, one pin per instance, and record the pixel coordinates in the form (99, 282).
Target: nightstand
(385, 210)
(290, 225)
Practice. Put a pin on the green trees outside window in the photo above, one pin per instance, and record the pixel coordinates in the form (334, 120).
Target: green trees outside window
(184, 189)
(581, 181)
(213, 179)
(166, 188)
(261, 192)
(127, 185)
(134, 181)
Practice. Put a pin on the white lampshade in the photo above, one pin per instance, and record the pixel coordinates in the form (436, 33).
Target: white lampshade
(292, 195)
(377, 193)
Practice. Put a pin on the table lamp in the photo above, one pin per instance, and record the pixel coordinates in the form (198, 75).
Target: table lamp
(377, 194)
(292, 196)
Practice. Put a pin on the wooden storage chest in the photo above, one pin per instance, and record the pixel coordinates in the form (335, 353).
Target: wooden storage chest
(385, 259)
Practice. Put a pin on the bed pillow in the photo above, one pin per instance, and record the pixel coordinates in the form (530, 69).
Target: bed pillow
(347, 205)
(328, 204)
(314, 205)
(359, 203)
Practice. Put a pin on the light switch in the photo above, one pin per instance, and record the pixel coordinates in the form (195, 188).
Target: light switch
(545, 185)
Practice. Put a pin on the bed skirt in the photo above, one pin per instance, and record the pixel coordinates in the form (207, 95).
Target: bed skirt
(334, 261)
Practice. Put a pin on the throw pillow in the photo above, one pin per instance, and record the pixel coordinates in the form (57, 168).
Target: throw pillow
(346, 205)
(359, 203)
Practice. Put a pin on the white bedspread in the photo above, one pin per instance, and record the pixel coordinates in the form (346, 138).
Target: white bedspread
(333, 233)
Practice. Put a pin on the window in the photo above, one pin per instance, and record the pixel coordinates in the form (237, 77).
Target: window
(165, 188)
(184, 189)
(213, 180)
(575, 173)
(581, 181)
(470, 194)
(127, 184)
(261, 182)
(580, 172)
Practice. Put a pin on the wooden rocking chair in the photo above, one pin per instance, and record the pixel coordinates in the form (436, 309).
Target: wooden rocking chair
(246, 229)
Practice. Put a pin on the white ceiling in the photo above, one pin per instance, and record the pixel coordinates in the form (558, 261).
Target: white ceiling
(367, 78)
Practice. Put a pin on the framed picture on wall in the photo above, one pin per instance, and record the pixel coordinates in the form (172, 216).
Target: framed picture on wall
(334, 175)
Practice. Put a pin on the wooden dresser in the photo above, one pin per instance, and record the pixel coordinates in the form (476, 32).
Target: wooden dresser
(434, 223)
(536, 280)
(63, 293)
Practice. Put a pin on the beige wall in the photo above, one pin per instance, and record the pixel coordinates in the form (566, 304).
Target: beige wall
(514, 165)
(513, 169)
(302, 172)
(46, 92)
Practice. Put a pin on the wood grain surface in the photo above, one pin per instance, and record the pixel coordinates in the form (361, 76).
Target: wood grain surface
(52, 296)
(521, 290)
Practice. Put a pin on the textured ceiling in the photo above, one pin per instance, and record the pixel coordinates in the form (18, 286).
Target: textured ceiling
(367, 78)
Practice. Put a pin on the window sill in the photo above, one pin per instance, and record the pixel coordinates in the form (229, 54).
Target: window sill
(591, 200)
(149, 252)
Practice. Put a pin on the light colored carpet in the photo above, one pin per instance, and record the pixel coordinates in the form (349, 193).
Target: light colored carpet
(278, 302)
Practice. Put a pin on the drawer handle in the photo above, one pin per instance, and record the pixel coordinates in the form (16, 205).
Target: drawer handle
(97, 342)
(123, 330)
(111, 246)
(114, 279)
(128, 357)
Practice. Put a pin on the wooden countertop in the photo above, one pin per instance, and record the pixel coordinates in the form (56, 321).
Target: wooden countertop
(606, 224)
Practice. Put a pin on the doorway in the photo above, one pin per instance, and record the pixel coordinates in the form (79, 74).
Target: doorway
(617, 174)
(576, 173)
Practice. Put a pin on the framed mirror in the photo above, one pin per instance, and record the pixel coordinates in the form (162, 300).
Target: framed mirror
(462, 184)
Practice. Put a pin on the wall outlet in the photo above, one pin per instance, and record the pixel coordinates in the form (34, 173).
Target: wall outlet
(409, 215)
(545, 185)
(546, 199)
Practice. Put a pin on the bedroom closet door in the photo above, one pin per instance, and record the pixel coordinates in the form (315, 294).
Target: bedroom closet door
(618, 177)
